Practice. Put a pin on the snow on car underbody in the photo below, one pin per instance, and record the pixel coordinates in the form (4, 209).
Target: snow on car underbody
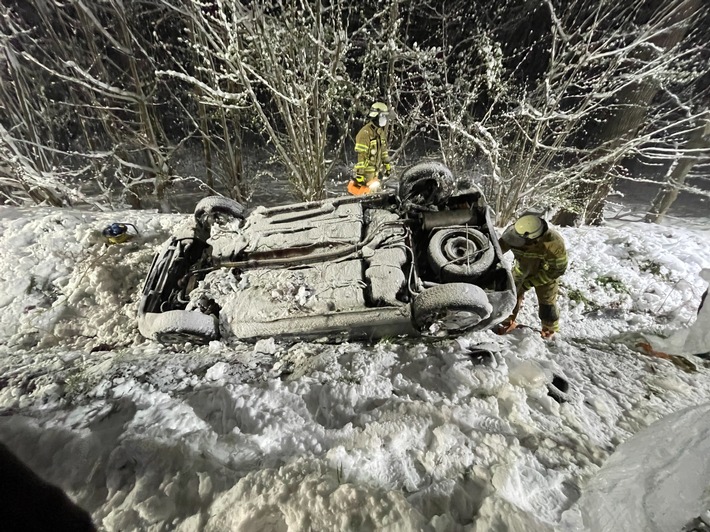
(421, 260)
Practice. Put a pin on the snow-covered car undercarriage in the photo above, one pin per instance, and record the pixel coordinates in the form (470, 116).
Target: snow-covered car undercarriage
(420, 260)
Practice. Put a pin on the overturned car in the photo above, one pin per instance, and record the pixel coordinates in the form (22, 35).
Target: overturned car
(420, 260)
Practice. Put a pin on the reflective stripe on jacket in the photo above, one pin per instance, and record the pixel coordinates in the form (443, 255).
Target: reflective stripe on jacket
(371, 148)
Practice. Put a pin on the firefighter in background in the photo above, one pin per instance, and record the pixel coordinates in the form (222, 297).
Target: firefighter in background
(373, 159)
(540, 261)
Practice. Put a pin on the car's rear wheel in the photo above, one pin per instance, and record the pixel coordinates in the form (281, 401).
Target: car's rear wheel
(426, 185)
(218, 208)
(180, 326)
(460, 252)
(450, 308)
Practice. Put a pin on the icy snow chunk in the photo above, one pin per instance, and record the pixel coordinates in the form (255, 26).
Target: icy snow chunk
(205, 487)
(302, 295)
(527, 374)
(217, 371)
(215, 346)
(155, 508)
(267, 346)
(672, 384)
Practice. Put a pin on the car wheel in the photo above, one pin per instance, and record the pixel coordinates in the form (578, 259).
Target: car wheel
(180, 326)
(450, 308)
(426, 185)
(217, 208)
(461, 252)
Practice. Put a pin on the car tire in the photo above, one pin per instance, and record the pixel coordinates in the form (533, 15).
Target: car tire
(450, 308)
(460, 252)
(426, 185)
(180, 326)
(214, 208)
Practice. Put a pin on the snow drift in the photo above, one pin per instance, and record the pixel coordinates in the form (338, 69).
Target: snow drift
(453, 434)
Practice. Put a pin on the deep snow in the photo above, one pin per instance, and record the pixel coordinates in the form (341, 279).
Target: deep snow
(653, 480)
(405, 434)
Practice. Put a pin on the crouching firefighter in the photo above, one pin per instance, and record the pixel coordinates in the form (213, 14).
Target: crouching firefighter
(540, 261)
(373, 160)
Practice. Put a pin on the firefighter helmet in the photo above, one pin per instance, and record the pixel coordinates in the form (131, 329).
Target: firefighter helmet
(530, 227)
(377, 109)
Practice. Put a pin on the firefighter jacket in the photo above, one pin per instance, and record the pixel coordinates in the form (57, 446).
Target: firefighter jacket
(372, 155)
(540, 262)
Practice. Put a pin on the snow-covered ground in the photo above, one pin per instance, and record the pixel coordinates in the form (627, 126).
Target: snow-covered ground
(405, 434)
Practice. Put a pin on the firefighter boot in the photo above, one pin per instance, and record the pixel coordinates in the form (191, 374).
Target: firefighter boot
(505, 326)
(547, 333)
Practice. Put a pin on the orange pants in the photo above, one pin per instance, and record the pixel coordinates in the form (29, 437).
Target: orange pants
(356, 190)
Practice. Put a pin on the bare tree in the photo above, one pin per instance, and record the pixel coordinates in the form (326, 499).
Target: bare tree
(21, 178)
(26, 163)
(537, 140)
(102, 86)
(653, 57)
(599, 58)
(284, 60)
(101, 95)
(697, 144)
(217, 107)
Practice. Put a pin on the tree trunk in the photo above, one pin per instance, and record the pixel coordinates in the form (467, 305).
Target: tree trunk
(625, 120)
(206, 142)
(669, 192)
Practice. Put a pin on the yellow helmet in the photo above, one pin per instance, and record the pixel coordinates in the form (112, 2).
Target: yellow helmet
(377, 109)
(530, 227)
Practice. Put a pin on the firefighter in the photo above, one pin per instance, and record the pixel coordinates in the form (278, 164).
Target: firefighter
(540, 261)
(373, 159)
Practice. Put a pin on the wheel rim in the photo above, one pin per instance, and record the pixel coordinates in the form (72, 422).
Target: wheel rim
(456, 320)
(452, 321)
(221, 217)
(461, 247)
